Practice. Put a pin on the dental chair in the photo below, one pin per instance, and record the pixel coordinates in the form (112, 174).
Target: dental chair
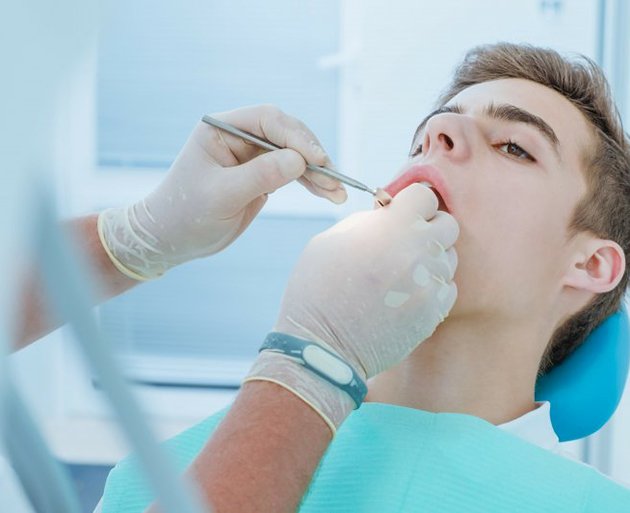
(584, 390)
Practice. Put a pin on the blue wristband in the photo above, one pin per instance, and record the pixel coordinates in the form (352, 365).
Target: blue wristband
(319, 360)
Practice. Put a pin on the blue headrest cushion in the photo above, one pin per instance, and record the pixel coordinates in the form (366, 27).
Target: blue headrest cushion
(585, 389)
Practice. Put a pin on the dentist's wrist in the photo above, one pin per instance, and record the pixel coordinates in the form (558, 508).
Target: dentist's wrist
(126, 237)
(332, 403)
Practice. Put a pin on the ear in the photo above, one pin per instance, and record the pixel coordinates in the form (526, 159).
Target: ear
(597, 267)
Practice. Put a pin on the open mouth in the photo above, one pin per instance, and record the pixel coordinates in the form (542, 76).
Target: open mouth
(426, 175)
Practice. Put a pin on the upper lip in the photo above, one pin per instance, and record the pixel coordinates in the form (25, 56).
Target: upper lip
(421, 173)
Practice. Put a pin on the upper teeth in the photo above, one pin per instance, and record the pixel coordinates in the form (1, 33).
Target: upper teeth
(427, 184)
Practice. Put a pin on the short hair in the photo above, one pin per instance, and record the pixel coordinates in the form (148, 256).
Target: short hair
(605, 208)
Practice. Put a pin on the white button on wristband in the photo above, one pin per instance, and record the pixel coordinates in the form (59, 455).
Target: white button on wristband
(319, 360)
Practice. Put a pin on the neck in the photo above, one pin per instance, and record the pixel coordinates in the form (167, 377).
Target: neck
(486, 369)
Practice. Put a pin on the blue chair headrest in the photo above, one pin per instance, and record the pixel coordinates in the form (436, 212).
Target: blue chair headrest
(585, 389)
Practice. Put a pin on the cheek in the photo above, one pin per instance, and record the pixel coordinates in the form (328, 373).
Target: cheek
(519, 239)
(506, 248)
(514, 220)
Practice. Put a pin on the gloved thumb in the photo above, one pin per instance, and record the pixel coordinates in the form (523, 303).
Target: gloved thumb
(265, 174)
(415, 201)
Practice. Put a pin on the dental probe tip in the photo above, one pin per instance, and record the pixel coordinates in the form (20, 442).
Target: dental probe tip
(382, 196)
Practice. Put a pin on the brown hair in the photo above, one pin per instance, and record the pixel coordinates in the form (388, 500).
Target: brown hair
(605, 208)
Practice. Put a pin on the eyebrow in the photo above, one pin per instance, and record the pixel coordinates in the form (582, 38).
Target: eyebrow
(501, 112)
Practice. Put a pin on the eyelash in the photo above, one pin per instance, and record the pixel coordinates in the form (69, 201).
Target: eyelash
(509, 142)
(524, 154)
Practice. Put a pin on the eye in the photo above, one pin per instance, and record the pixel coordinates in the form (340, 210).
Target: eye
(514, 149)
(416, 151)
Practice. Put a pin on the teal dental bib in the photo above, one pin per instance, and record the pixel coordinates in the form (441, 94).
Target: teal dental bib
(388, 458)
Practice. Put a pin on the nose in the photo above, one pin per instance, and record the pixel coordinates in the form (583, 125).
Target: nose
(448, 135)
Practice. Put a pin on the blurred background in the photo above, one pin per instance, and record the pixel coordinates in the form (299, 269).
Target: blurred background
(361, 74)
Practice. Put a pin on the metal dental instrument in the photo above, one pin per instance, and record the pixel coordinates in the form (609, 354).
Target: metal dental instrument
(379, 194)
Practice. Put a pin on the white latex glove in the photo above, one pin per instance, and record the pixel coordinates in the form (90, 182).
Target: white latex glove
(371, 289)
(212, 192)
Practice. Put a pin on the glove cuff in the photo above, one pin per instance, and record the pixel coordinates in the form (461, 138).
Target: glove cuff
(131, 248)
(330, 403)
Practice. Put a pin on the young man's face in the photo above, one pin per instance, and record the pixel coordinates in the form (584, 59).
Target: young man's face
(511, 185)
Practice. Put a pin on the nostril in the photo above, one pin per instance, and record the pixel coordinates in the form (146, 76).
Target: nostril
(449, 142)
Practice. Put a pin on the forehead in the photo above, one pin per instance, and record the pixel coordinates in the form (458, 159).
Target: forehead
(575, 135)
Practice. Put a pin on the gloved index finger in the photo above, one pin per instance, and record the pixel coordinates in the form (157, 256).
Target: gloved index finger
(285, 131)
(279, 128)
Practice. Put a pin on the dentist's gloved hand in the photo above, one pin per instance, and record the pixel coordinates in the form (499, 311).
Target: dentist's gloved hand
(214, 189)
(370, 289)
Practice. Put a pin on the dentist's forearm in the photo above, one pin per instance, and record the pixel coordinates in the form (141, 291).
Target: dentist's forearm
(37, 319)
(264, 453)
